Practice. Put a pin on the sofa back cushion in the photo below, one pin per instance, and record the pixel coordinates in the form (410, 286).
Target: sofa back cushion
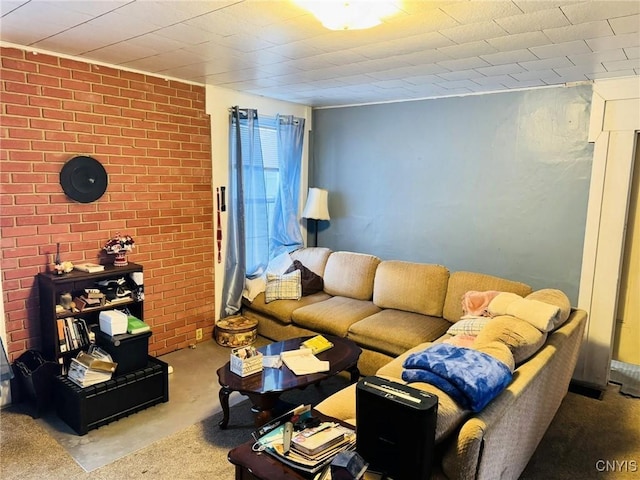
(350, 274)
(522, 338)
(314, 258)
(462, 282)
(412, 287)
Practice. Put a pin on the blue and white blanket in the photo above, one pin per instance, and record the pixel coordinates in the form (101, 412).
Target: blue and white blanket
(470, 377)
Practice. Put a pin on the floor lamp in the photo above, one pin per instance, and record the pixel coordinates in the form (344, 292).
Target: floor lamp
(316, 208)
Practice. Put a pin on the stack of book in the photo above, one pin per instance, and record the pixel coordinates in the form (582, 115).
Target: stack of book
(312, 449)
(318, 443)
(92, 297)
(317, 344)
(73, 333)
(90, 368)
(135, 325)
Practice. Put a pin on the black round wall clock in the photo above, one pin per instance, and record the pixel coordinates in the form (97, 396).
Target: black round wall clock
(83, 179)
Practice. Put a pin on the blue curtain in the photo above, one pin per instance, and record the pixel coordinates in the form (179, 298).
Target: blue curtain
(285, 235)
(247, 208)
(251, 240)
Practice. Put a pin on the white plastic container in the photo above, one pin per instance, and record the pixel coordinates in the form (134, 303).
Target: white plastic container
(113, 322)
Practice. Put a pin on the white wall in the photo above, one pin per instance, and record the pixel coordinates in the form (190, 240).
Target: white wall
(218, 102)
(5, 391)
(615, 119)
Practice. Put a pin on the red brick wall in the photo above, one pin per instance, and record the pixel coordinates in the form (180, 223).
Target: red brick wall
(153, 138)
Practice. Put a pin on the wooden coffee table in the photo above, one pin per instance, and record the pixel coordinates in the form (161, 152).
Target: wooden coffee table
(264, 388)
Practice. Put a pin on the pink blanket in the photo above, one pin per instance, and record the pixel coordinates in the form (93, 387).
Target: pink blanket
(476, 303)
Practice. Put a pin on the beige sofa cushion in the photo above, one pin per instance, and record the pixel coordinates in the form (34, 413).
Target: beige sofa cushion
(450, 415)
(395, 331)
(350, 274)
(314, 258)
(497, 350)
(334, 315)
(462, 282)
(342, 405)
(556, 298)
(413, 287)
(282, 309)
(522, 338)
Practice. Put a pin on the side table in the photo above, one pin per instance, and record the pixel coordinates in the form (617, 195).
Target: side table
(252, 465)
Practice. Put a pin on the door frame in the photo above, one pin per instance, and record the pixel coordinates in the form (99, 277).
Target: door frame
(614, 122)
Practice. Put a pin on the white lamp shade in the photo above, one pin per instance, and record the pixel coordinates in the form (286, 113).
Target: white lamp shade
(317, 206)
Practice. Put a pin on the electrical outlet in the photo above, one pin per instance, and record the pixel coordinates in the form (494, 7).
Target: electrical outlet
(198, 334)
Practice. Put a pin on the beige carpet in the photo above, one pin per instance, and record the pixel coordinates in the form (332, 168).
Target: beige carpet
(28, 452)
(193, 397)
(589, 438)
(586, 434)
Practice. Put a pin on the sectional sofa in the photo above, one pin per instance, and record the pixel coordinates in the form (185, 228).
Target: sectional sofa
(394, 310)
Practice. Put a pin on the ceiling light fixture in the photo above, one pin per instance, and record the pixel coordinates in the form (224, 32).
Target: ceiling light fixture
(350, 15)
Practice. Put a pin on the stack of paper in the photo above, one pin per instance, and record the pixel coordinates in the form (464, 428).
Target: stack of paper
(304, 362)
(343, 439)
(89, 369)
(314, 441)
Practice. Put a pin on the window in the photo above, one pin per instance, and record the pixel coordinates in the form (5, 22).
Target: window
(263, 196)
(269, 141)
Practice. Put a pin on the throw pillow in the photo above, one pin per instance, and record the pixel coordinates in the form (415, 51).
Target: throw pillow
(278, 265)
(311, 282)
(283, 287)
(253, 287)
(468, 326)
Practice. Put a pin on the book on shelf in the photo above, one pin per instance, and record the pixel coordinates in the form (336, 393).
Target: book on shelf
(135, 325)
(83, 302)
(73, 333)
(117, 300)
(89, 267)
(93, 293)
(62, 342)
(317, 344)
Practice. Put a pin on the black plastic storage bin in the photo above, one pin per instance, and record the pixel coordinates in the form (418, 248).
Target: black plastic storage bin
(84, 409)
(128, 351)
(34, 377)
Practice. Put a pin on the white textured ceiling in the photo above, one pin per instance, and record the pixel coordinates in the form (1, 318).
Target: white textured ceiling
(275, 49)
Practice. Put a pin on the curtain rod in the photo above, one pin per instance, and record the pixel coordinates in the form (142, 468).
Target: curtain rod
(243, 112)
